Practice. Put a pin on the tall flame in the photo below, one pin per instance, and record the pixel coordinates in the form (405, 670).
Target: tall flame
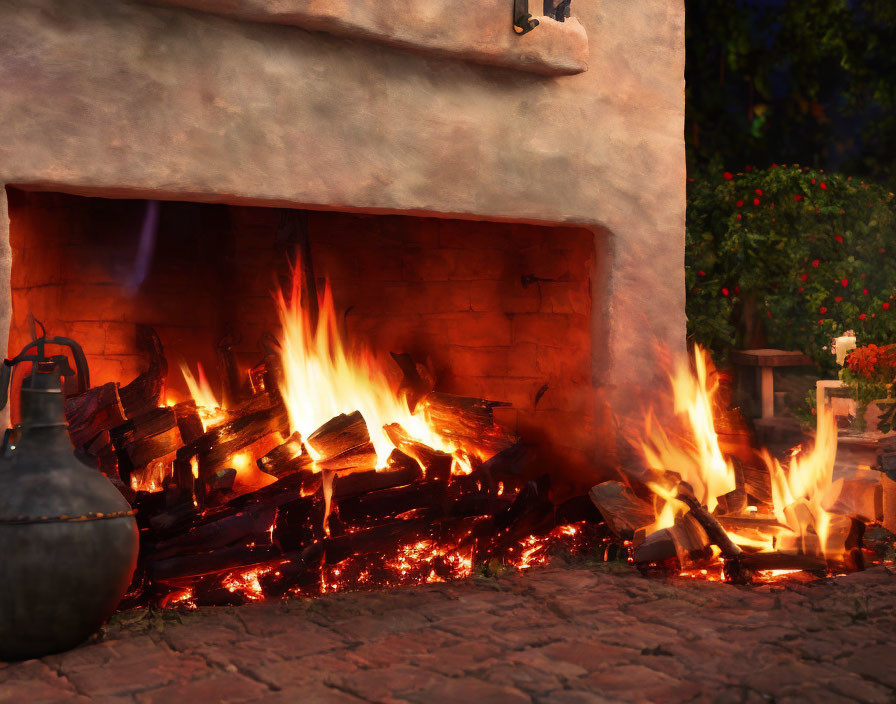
(799, 493)
(200, 389)
(322, 378)
(697, 458)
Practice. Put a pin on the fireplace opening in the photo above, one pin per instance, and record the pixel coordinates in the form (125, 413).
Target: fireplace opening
(489, 326)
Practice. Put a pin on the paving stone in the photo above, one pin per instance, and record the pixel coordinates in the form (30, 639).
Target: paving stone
(567, 635)
(220, 688)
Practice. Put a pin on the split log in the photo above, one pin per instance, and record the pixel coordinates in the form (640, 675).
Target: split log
(90, 413)
(757, 482)
(377, 540)
(188, 421)
(656, 547)
(224, 559)
(623, 512)
(434, 463)
(145, 392)
(343, 443)
(389, 503)
(856, 496)
(686, 541)
(252, 524)
(145, 438)
(371, 481)
(712, 527)
(286, 459)
(214, 448)
(466, 422)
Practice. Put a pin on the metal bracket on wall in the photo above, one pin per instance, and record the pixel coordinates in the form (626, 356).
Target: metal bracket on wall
(522, 19)
(557, 9)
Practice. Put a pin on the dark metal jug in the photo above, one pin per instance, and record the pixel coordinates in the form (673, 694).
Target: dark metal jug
(68, 538)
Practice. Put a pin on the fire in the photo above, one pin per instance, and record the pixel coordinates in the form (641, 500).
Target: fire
(800, 492)
(211, 411)
(323, 378)
(698, 459)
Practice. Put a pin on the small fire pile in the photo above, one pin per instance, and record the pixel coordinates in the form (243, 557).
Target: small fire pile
(318, 475)
(696, 511)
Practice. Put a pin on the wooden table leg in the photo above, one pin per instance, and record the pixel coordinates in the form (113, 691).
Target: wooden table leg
(767, 392)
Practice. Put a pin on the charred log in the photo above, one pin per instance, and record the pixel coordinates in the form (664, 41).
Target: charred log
(145, 392)
(343, 443)
(92, 412)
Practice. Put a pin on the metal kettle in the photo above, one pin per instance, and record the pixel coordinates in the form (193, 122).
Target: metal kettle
(68, 538)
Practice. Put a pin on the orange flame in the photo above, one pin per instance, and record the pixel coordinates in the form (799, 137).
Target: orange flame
(698, 459)
(211, 411)
(322, 378)
(800, 493)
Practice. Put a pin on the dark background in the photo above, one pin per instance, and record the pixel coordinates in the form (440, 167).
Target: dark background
(778, 81)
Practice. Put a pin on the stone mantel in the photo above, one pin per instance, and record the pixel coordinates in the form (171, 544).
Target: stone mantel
(472, 30)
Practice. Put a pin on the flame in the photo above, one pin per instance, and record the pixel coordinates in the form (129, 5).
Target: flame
(211, 411)
(698, 459)
(799, 493)
(323, 378)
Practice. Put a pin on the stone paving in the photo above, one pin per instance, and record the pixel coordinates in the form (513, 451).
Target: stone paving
(564, 635)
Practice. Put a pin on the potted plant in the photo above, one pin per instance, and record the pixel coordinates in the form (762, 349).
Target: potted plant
(870, 372)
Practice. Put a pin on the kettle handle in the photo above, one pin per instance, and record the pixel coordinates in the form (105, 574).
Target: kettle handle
(40, 343)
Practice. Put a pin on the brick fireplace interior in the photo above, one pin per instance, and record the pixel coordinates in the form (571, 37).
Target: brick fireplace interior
(495, 310)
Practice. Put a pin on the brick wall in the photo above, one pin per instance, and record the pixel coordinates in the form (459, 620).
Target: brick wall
(451, 292)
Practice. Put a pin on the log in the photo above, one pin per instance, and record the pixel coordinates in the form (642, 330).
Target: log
(286, 459)
(412, 385)
(466, 422)
(361, 509)
(252, 524)
(188, 421)
(90, 413)
(343, 443)
(714, 530)
(656, 547)
(434, 463)
(224, 559)
(214, 448)
(145, 392)
(345, 486)
(757, 482)
(623, 512)
(145, 438)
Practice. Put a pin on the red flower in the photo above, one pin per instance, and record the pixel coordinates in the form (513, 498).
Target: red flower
(885, 306)
(797, 198)
(774, 166)
(862, 316)
(823, 186)
(881, 250)
(800, 290)
(725, 292)
(758, 191)
(864, 291)
(702, 273)
(728, 175)
(755, 201)
(837, 299)
(845, 282)
(863, 276)
(822, 310)
(838, 238)
(815, 263)
(813, 180)
(740, 204)
(804, 277)
(738, 216)
(737, 289)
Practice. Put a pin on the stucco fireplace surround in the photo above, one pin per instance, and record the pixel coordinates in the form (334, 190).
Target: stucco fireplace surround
(391, 114)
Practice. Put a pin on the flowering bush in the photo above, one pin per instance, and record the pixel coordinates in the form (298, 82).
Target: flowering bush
(791, 255)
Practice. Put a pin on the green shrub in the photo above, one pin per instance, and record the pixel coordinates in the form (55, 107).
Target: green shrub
(799, 254)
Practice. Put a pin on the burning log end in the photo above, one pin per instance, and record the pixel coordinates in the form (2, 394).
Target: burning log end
(714, 530)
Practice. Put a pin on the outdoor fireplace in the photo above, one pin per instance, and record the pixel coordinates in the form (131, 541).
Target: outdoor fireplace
(478, 201)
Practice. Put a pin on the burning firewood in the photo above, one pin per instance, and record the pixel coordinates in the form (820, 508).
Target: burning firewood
(343, 443)
(436, 464)
(145, 392)
(90, 413)
(623, 512)
(286, 459)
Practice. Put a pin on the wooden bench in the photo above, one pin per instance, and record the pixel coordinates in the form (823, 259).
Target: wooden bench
(767, 360)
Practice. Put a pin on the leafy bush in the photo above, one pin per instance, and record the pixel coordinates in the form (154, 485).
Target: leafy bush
(798, 254)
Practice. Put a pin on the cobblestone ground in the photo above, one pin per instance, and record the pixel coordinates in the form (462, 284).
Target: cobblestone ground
(565, 635)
